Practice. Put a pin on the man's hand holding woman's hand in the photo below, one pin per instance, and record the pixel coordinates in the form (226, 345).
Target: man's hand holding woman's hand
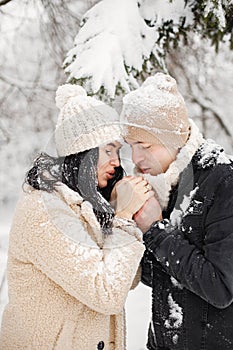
(131, 193)
(149, 213)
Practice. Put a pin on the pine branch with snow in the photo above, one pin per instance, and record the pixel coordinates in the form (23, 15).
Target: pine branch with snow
(120, 41)
(102, 58)
(213, 19)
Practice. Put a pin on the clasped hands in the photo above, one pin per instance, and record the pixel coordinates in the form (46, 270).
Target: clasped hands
(134, 199)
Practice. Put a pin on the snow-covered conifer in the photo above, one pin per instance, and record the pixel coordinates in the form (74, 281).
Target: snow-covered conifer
(120, 41)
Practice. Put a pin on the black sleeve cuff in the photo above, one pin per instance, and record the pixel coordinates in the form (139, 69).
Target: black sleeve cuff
(157, 232)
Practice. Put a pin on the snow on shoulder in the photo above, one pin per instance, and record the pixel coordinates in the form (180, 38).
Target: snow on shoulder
(211, 154)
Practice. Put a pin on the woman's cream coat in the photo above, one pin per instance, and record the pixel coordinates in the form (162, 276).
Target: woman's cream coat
(67, 284)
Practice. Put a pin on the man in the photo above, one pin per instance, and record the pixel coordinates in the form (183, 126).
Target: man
(188, 228)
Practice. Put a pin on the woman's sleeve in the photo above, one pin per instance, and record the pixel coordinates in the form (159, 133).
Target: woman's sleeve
(62, 249)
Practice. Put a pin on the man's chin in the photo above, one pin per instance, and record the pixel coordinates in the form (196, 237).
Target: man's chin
(147, 171)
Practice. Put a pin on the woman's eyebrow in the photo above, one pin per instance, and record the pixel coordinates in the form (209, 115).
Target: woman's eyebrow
(116, 147)
(112, 144)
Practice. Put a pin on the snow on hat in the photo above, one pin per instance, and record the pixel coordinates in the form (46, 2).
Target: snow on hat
(156, 113)
(84, 122)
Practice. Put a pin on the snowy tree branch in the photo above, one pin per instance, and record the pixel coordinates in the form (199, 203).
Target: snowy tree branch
(118, 39)
(125, 37)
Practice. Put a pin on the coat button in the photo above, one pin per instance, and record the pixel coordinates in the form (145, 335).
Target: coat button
(100, 346)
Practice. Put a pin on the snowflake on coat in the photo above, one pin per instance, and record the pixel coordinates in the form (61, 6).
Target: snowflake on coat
(185, 206)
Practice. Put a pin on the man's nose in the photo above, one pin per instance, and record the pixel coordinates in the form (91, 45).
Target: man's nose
(137, 156)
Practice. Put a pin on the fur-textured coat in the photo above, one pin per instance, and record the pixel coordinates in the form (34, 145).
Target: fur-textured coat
(67, 283)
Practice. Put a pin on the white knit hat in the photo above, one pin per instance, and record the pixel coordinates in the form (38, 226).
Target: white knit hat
(84, 122)
(156, 113)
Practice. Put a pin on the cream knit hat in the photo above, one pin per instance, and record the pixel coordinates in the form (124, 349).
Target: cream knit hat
(156, 113)
(84, 122)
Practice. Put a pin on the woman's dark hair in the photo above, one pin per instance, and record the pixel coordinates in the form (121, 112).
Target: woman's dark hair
(79, 172)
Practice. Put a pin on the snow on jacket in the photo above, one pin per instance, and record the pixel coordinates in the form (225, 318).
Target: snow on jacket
(188, 261)
(67, 284)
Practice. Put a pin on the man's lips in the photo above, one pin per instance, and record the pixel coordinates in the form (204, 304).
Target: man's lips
(145, 170)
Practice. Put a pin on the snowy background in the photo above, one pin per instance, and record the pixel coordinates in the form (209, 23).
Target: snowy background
(38, 36)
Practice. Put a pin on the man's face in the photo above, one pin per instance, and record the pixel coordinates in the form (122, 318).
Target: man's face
(151, 158)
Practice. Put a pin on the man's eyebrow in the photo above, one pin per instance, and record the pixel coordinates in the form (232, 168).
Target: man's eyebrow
(136, 142)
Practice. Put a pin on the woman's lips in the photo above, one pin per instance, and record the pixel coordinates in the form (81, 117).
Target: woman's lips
(110, 174)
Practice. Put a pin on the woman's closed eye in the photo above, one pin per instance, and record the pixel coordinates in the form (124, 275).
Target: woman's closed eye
(108, 152)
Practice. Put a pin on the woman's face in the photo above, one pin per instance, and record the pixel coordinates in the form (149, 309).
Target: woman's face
(108, 161)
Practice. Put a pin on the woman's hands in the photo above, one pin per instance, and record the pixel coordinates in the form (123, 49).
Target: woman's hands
(130, 194)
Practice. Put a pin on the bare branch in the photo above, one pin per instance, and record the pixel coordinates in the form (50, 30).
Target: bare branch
(4, 135)
(3, 281)
(4, 2)
(20, 84)
(196, 97)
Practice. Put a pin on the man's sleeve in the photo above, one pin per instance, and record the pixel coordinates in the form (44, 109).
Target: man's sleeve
(147, 269)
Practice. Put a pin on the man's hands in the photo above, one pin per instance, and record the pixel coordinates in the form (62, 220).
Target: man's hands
(150, 212)
(130, 194)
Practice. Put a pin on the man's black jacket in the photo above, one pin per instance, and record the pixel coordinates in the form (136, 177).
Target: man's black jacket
(189, 260)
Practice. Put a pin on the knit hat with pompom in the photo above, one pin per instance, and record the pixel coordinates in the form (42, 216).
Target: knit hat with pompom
(156, 113)
(84, 122)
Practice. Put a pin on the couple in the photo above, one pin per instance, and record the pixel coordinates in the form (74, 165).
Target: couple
(76, 241)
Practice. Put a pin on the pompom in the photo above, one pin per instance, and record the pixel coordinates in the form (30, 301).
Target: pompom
(162, 82)
(67, 91)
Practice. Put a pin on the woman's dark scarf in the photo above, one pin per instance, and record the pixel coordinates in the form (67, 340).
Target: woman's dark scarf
(79, 172)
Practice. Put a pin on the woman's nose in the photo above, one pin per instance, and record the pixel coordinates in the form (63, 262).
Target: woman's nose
(115, 161)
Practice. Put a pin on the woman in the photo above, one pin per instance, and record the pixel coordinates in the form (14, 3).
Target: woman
(72, 259)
